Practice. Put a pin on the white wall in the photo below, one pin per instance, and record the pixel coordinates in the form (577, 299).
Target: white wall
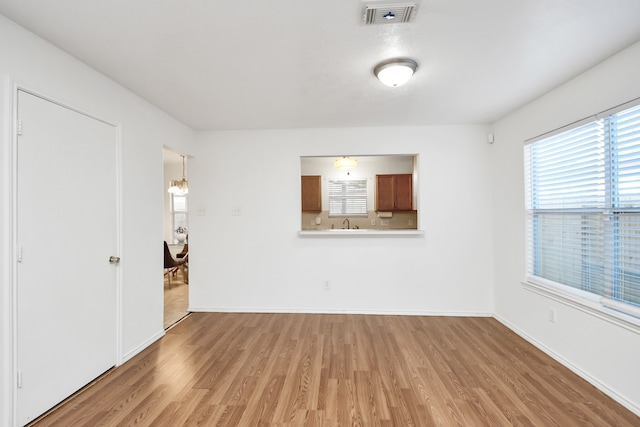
(605, 354)
(257, 261)
(37, 65)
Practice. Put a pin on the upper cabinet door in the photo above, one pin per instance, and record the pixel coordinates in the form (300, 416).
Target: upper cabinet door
(311, 193)
(394, 192)
(403, 192)
(385, 200)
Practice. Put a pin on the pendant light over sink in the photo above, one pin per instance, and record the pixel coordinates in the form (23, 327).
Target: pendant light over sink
(345, 163)
(179, 186)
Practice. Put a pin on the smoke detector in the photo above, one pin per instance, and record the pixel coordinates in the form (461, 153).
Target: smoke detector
(389, 13)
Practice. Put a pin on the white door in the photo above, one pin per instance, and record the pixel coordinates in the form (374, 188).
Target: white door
(66, 231)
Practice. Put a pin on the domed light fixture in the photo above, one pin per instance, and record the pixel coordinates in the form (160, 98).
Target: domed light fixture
(345, 163)
(395, 72)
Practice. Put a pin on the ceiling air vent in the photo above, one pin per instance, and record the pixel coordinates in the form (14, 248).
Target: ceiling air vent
(389, 14)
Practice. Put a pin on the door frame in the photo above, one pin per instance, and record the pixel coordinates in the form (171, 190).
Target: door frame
(13, 220)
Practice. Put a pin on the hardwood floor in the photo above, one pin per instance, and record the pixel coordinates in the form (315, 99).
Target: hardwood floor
(229, 369)
(176, 300)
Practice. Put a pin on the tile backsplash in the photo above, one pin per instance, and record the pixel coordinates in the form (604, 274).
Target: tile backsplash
(406, 220)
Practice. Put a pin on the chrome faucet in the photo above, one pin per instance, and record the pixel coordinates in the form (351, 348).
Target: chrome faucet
(347, 221)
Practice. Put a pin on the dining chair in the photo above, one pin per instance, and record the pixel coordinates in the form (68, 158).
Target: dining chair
(171, 265)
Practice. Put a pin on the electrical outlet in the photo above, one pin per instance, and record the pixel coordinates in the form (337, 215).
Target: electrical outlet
(325, 285)
(236, 211)
(552, 315)
(384, 222)
(373, 221)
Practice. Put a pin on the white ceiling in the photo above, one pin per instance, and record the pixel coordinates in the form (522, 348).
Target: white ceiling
(298, 64)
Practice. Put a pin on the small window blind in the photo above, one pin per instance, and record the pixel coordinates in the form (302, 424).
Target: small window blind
(583, 207)
(624, 133)
(348, 197)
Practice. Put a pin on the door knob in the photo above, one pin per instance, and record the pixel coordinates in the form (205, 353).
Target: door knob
(114, 259)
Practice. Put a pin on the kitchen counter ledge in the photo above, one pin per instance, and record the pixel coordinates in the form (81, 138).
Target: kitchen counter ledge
(359, 232)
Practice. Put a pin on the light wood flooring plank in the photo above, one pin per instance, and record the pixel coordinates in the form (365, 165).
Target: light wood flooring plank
(231, 369)
(176, 300)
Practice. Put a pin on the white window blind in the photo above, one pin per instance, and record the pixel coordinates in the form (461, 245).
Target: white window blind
(624, 134)
(583, 207)
(348, 197)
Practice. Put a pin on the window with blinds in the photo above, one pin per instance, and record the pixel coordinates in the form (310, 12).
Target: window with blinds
(583, 208)
(348, 197)
(179, 215)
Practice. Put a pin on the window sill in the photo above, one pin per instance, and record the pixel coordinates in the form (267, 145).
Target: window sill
(359, 232)
(585, 302)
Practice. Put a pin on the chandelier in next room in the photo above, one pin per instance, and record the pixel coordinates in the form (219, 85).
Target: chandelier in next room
(179, 186)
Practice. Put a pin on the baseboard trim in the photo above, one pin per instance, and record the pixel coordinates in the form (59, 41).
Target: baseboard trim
(142, 346)
(573, 368)
(338, 311)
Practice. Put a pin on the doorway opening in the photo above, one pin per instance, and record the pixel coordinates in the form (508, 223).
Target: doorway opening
(176, 237)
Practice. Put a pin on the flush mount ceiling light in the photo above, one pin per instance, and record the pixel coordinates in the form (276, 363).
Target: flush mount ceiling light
(395, 72)
(345, 163)
(179, 186)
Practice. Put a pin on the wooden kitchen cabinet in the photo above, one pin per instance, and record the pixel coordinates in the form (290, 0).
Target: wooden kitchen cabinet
(394, 192)
(311, 193)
